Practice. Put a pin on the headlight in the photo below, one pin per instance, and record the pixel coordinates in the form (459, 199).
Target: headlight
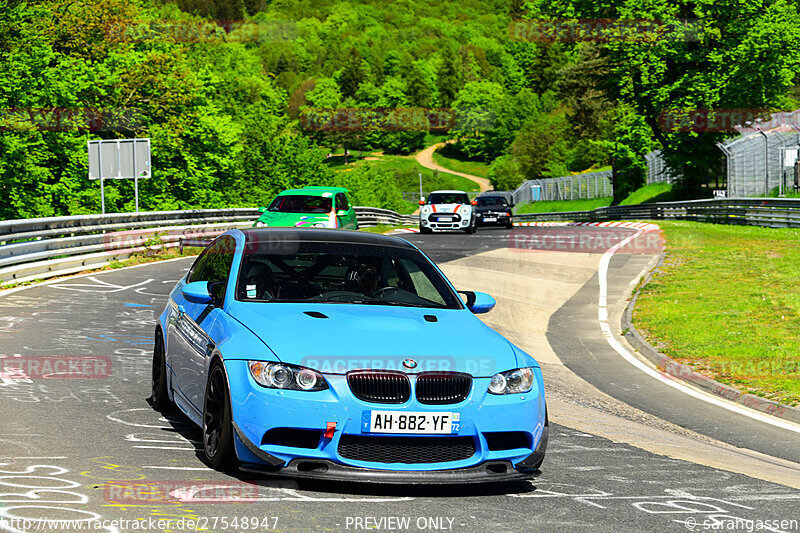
(282, 376)
(260, 224)
(464, 210)
(512, 381)
(426, 209)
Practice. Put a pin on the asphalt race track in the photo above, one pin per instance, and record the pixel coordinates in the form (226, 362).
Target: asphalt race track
(94, 450)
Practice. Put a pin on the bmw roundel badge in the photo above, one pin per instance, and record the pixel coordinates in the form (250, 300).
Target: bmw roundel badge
(409, 363)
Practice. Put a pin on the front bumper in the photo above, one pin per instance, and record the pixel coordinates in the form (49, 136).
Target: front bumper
(257, 410)
(435, 222)
(326, 470)
(501, 219)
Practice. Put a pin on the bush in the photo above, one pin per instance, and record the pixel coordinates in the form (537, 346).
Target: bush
(371, 186)
(505, 173)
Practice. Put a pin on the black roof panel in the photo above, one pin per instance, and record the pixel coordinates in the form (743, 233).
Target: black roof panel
(323, 235)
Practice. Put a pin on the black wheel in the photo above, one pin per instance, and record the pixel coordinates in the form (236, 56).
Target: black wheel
(217, 432)
(471, 228)
(425, 230)
(159, 395)
(510, 225)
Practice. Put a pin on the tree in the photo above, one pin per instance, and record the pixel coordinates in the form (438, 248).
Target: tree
(737, 54)
(476, 110)
(505, 173)
(542, 145)
(353, 74)
(627, 145)
(448, 78)
(419, 87)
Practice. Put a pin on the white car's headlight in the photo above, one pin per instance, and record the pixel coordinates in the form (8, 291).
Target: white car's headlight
(426, 210)
(464, 210)
(514, 381)
(283, 376)
(260, 224)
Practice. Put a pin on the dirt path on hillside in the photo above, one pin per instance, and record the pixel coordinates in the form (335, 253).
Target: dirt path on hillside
(425, 158)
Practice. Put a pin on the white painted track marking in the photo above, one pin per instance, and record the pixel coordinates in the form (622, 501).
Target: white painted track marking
(602, 315)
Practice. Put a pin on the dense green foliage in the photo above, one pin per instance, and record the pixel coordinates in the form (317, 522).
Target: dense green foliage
(721, 54)
(243, 98)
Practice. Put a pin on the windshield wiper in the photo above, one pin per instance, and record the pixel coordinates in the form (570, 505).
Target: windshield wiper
(398, 304)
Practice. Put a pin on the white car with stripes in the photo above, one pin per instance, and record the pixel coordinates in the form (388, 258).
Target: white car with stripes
(447, 210)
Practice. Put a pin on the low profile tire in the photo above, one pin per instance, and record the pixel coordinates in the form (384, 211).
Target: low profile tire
(218, 449)
(510, 225)
(472, 228)
(159, 395)
(425, 230)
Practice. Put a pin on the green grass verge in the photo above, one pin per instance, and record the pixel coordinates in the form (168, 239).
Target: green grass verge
(655, 192)
(383, 228)
(562, 205)
(727, 302)
(449, 159)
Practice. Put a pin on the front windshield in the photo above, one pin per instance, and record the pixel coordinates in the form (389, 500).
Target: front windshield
(298, 203)
(491, 201)
(325, 272)
(448, 198)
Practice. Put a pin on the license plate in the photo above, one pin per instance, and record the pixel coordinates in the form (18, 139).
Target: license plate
(490, 219)
(416, 422)
(445, 219)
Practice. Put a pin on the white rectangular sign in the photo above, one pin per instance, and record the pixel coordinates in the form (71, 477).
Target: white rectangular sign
(119, 159)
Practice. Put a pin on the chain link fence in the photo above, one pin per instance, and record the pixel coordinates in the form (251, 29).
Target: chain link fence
(756, 164)
(580, 186)
(657, 169)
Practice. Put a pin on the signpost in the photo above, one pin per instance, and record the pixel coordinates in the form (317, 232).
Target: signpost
(119, 159)
(789, 158)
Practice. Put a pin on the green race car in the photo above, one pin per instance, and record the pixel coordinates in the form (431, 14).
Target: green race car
(319, 207)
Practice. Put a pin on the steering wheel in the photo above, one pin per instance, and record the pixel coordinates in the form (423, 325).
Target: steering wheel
(341, 296)
(385, 290)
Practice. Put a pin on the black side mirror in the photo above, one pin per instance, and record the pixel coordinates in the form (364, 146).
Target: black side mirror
(217, 291)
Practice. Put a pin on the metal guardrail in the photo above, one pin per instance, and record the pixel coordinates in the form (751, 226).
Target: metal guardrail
(41, 248)
(372, 216)
(770, 212)
(35, 228)
(47, 247)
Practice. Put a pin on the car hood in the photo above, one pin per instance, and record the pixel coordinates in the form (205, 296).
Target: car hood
(371, 336)
(278, 219)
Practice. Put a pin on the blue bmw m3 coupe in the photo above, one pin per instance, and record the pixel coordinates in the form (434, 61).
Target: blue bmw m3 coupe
(333, 354)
